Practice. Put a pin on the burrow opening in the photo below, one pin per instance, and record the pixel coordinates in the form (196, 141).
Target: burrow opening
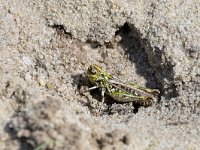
(148, 60)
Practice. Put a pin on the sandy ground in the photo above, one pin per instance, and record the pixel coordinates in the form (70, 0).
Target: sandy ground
(45, 48)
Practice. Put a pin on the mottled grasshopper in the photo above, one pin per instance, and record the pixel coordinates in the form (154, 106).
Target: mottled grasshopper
(119, 90)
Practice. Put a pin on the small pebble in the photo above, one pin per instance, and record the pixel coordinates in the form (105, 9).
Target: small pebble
(50, 85)
(26, 60)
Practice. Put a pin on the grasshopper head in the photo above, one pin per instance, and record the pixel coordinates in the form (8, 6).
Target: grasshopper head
(93, 72)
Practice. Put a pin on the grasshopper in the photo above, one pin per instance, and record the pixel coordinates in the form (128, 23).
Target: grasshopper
(119, 90)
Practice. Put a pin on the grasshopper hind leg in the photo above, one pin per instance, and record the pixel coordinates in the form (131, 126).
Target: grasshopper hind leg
(146, 103)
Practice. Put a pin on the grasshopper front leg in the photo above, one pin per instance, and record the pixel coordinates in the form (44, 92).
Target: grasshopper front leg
(102, 92)
(92, 88)
(103, 95)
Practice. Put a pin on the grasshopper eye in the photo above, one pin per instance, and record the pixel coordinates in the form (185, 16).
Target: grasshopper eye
(92, 71)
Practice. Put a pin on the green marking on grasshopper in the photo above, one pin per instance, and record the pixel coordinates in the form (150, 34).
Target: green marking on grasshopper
(119, 90)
